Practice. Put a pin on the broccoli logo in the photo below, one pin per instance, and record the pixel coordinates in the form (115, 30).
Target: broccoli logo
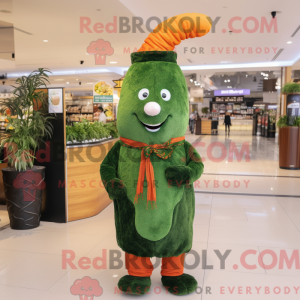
(86, 288)
(100, 49)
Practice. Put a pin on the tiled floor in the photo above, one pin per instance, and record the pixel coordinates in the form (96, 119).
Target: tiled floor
(242, 207)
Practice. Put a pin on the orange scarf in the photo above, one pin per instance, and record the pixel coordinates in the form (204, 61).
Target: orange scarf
(146, 165)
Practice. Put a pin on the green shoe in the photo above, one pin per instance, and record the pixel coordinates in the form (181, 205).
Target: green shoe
(180, 285)
(134, 285)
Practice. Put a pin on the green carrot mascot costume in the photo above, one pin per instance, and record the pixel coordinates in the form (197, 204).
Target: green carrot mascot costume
(149, 172)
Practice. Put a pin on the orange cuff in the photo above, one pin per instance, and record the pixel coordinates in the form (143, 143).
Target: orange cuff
(172, 266)
(138, 266)
(142, 266)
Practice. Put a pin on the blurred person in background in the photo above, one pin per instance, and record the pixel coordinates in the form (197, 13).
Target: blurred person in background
(102, 116)
(227, 122)
(192, 122)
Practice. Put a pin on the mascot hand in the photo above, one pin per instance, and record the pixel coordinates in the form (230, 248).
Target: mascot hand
(116, 189)
(178, 175)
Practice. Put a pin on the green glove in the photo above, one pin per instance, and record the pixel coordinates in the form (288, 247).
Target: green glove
(178, 175)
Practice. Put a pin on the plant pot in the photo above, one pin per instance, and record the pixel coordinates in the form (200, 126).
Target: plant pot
(289, 150)
(23, 193)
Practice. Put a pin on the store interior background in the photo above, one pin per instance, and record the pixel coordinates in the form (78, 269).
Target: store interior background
(61, 46)
(263, 215)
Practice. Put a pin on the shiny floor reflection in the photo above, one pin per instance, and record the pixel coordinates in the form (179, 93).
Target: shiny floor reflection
(249, 208)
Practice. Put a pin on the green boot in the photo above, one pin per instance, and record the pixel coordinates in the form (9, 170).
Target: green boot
(180, 285)
(134, 285)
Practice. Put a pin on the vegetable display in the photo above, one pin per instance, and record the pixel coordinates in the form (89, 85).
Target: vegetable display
(88, 131)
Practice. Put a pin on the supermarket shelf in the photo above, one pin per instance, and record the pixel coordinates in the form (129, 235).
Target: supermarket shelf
(80, 113)
(81, 122)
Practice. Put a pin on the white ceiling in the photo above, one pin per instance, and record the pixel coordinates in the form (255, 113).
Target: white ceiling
(58, 22)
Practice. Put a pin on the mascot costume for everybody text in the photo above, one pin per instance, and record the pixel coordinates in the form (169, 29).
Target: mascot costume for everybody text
(149, 172)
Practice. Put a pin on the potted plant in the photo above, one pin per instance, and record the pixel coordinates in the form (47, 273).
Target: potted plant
(289, 142)
(291, 88)
(28, 125)
(204, 110)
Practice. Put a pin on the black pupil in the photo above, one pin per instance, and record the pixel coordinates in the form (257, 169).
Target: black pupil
(145, 95)
(164, 95)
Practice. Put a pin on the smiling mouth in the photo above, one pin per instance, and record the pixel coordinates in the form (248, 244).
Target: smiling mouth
(152, 127)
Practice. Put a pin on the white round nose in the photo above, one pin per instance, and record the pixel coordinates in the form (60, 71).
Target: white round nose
(152, 109)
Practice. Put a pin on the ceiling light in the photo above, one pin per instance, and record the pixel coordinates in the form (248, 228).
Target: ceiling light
(67, 82)
(195, 81)
(289, 42)
(46, 41)
(191, 80)
(113, 62)
(225, 80)
(77, 79)
(228, 80)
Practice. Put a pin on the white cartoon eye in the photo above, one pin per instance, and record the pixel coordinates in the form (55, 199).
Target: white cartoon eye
(82, 288)
(143, 94)
(91, 288)
(165, 94)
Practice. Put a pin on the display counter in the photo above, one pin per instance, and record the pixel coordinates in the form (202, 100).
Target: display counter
(73, 188)
(206, 126)
(238, 125)
(85, 191)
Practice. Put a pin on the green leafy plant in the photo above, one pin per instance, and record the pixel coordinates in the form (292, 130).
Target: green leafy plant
(204, 110)
(87, 131)
(282, 122)
(290, 88)
(286, 121)
(297, 122)
(29, 123)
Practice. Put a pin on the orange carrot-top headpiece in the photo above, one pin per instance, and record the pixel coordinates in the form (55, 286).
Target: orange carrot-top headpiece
(171, 32)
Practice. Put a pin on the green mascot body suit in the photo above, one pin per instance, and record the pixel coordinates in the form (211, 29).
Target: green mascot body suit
(149, 172)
